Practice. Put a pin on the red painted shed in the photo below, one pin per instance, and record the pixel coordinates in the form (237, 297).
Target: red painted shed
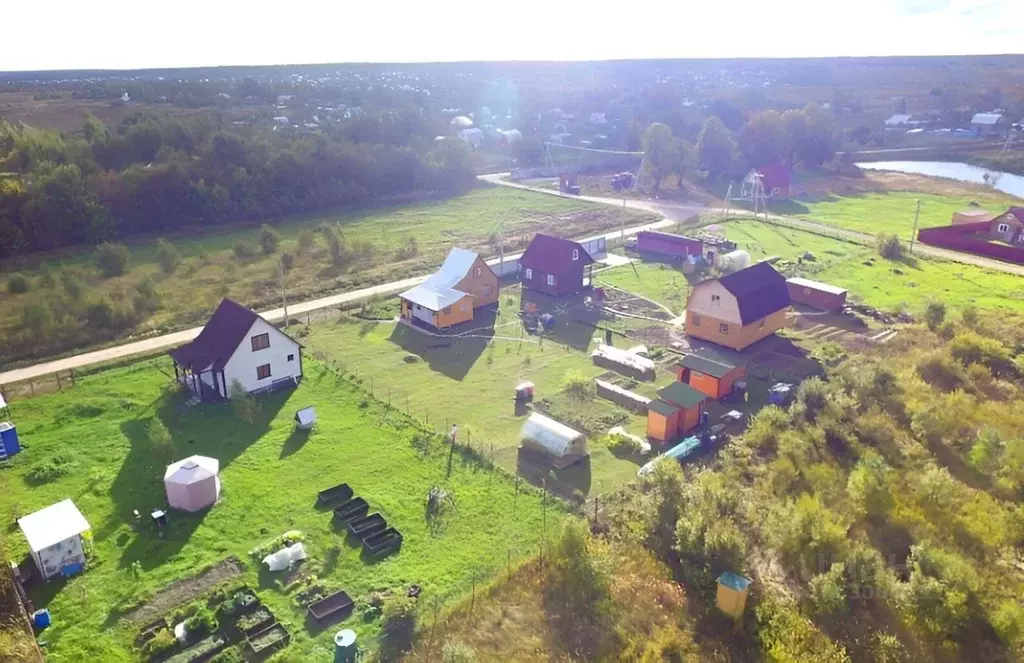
(667, 244)
(816, 294)
(776, 180)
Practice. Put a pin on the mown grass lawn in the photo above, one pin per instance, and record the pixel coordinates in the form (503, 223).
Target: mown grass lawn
(885, 284)
(471, 381)
(377, 237)
(270, 477)
(893, 212)
(663, 283)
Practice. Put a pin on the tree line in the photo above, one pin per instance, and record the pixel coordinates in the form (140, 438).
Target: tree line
(155, 174)
(798, 137)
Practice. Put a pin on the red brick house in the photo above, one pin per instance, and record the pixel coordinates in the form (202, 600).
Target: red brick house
(554, 266)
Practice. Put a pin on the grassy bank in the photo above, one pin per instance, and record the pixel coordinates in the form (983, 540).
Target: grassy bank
(379, 245)
(270, 476)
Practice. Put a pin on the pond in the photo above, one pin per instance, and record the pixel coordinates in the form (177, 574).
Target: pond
(1006, 182)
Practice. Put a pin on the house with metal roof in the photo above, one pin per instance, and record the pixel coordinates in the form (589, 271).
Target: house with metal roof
(237, 344)
(553, 265)
(988, 123)
(464, 284)
(738, 309)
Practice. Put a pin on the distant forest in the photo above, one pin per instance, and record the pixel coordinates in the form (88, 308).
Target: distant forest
(157, 174)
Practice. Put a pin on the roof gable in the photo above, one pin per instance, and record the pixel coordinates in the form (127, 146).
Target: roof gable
(219, 339)
(553, 254)
(704, 365)
(759, 291)
(680, 393)
(438, 290)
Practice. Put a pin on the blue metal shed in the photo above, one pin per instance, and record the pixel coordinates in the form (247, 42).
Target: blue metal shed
(8, 440)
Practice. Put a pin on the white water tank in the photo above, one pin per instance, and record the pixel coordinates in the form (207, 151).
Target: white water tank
(733, 261)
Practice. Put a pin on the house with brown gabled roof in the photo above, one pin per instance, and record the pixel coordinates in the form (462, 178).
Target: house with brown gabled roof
(237, 344)
(738, 309)
(554, 266)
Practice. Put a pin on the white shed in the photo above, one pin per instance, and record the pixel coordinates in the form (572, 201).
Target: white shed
(54, 537)
(564, 444)
(305, 418)
(193, 484)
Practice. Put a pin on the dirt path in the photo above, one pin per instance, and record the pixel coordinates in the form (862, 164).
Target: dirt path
(183, 591)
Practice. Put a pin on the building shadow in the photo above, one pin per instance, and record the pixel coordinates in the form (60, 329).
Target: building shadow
(152, 546)
(538, 469)
(295, 441)
(573, 322)
(451, 354)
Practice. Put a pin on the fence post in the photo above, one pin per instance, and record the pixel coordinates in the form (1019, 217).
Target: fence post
(60, 387)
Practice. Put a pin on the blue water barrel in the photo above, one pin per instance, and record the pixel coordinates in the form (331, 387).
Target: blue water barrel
(8, 439)
(345, 646)
(41, 618)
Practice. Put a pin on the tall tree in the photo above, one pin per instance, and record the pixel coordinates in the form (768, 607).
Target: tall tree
(764, 139)
(716, 149)
(661, 152)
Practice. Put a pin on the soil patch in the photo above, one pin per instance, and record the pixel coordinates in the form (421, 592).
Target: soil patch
(183, 591)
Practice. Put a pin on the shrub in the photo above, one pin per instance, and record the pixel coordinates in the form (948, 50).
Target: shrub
(623, 444)
(46, 278)
(889, 246)
(409, 249)
(73, 284)
(287, 261)
(104, 314)
(828, 596)
(269, 239)
(969, 315)
(167, 255)
(147, 300)
(229, 655)
(243, 250)
(201, 623)
(163, 642)
(934, 314)
(158, 434)
(971, 348)
(112, 259)
(577, 384)
(50, 470)
(244, 405)
(457, 652)
(398, 624)
(17, 284)
(306, 241)
(38, 318)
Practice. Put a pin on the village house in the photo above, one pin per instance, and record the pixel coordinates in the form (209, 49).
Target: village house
(237, 344)
(738, 309)
(822, 296)
(989, 124)
(554, 266)
(463, 284)
(1008, 227)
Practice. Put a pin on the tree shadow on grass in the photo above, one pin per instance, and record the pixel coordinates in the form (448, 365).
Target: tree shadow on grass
(538, 469)
(209, 430)
(575, 324)
(450, 355)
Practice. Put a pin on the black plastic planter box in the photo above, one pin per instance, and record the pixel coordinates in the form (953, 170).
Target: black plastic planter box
(333, 606)
(351, 510)
(367, 526)
(336, 495)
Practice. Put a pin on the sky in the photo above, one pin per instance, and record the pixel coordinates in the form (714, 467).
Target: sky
(128, 34)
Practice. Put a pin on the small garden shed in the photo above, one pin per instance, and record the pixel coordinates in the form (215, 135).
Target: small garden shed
(565, 445)
(54, 536)
(715, 378)
(816, 294)
(677, 411)
(193, 484)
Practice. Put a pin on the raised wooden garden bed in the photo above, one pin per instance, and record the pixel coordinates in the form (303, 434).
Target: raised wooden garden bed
(149, 631)
(383, 542)
(351, 510)
(255, 621)
(330, 608)
(203, 650)
(274, 636)
(244, 601)
(367, 526)
(332, 496)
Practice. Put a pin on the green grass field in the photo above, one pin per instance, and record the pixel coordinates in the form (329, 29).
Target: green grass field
(270, 477)
(211, 270)
(893, 212)
(660, 282)
(885, 284)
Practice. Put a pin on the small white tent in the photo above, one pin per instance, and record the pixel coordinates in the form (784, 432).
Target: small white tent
(565, 445)
(193, 484)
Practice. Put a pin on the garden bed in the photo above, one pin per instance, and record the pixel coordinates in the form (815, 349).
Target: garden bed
(383, 542)
(351, 510)
(201, 651)
(362, 528)
(333, 496)
(331, 607)
(255, 621)
(275, 636)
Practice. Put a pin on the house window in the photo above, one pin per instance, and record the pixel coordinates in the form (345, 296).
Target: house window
(260, 342)
(263, 372)
(551, 279)
(695, 319)
(724, 328)
(575, 254)
(529, 274)
(1002, 227)
(477, 271)
(487, 290)
(291, 357)
(447, 310)
(715, 299)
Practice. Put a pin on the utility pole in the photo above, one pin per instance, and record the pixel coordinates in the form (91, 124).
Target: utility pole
(284, 291)
(501, 257)
(917, 214)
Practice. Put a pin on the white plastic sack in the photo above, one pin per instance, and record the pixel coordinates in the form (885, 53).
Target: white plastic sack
(285, 557)
(180, 634)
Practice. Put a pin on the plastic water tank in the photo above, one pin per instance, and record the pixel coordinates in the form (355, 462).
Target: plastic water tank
(734, 261)
(345, 646)
(41, 618)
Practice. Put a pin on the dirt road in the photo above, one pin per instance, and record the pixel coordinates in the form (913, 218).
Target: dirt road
(150, 345)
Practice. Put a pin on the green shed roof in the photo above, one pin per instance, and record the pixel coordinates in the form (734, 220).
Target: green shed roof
(713, 368)
(662, 408)
(681, 394)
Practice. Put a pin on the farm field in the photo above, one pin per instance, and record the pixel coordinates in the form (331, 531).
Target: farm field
(270, 476)
(382, 244)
